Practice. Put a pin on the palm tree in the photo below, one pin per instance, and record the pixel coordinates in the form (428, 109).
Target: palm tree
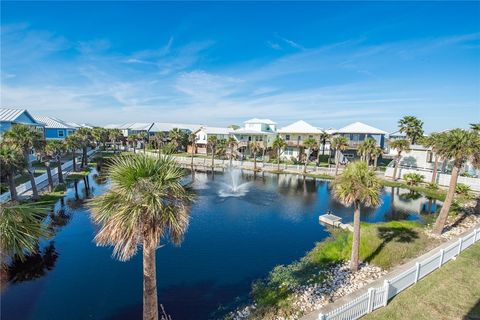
(114, 135)
(72, 143)
(55, 149)
(459, 145)
(161, 138)
(323, 141)
(21, 229)
(133, 140)
(365, 149)
(143, 136)
(44, 157)
(26, 138)
(85, 138)
(11, 161)
(475, 127)
(310, 144)
(192, 139)
(339, 143)
(255, 147)
(212, 144)
(375, 153)
(231, 144)
(278, 144)
(432, 141)
(101, 135)
(357, 185)
(412, 127)
(175, 136)
(400, 145)
(146, 203)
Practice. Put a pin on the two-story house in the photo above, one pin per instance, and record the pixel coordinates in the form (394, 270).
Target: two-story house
(294, 136)
(262, 131)
(356, 133)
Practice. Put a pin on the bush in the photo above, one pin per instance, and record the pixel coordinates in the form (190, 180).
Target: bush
(413, 179)
(463, 189)
(3, 187)
(433, 186)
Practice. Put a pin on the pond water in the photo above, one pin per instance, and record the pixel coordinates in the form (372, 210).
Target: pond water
(231, 241)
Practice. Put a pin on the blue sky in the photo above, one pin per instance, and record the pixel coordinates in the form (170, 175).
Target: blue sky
(328, 63)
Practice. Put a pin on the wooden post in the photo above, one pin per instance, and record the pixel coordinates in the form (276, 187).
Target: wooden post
(386, 285)
(417, 271)
(442, 253)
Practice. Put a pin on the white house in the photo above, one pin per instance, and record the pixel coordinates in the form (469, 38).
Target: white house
(358, 132)
(294, 136)
(204, 133)
(259, 130)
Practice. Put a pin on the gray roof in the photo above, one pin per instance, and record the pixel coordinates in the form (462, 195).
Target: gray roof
(51, 122)
(10, 115)
(165, 127)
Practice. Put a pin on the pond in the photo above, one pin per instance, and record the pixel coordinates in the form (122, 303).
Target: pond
(232, 240)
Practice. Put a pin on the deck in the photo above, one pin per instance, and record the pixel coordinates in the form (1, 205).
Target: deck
(335, 221)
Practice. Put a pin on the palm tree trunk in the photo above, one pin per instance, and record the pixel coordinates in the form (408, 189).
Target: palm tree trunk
(59, 172)
(49, 176)
(32, 182)
(84, 156)
(337, 161)
(74, 161)
(323, 148)
(254, 161)
(13, 188)
(397, 166)
(443, 215)
(375, 160)
(435, 167)
(213, 158)
(231, 156)
(191, 160)
(368, 160)
(306, 162)
(150, 303)
(278, 159)
(356, 237)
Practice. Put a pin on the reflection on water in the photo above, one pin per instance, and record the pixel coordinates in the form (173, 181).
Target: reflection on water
(231, 241)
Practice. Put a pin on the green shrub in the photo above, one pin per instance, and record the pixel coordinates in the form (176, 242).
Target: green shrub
(463, 189)
(433, 186)
(413, 178)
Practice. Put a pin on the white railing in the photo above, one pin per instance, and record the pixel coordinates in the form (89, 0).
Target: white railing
(378, 297)
(24, 187)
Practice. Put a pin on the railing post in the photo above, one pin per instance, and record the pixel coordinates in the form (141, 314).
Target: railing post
(477, 232)
(442, 254)
(417, 271)
(386, 285)
(371, 293)
(322, 317)
(460, 241)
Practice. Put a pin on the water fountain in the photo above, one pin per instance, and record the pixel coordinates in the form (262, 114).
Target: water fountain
(235, 188)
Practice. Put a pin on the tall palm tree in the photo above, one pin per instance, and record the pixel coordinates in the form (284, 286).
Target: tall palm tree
(161, 138)
(310, 144)
(357, 186)
(475, 127)
(278, 144)
(375, 153)
(133, 138)
(460, 146)
(143, 137)
(21, 228)
(27, 139)
(101, 136)
(401, 145)
(212, 144)
(432, 141)
(365, 149)
(323, 137)
(44, 157)
(55, 149)
(192, 139)
(339, 143)
(255, 147)
(11, 161)
(72, 143)
(412, 127)
(231, 144)
(146, 203)
(85, 138)
(175, 136)
(114, 136)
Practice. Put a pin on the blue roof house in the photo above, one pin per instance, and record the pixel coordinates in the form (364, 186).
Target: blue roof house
(55, 129)
(10, 117)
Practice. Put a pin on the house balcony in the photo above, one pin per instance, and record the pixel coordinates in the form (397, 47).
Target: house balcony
(294, 143)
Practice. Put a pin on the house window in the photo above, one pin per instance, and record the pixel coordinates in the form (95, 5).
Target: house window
(429, 156)
(60, 133)
(287, 137)
(299, 138)
(310, 136)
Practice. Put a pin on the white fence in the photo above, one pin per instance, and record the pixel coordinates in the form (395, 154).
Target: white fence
(443, 179)
(4, 197)
(378, 297)
(225, 163)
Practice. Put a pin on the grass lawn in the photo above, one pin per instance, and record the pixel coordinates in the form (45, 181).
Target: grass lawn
(452, 292)
(383, 244)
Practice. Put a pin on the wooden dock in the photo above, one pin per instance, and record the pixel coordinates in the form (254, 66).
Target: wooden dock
(335, 221)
